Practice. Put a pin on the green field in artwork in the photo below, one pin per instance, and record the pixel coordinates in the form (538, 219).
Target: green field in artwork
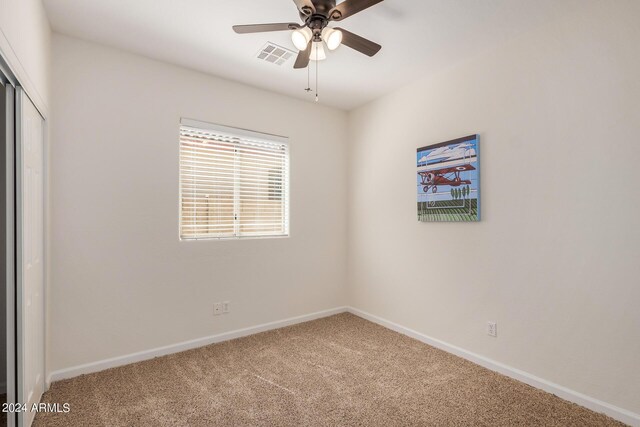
(448, 210)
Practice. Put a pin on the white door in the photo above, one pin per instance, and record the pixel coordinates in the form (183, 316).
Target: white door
(30, 251)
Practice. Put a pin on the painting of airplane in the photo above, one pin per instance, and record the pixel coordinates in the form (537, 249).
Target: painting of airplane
(448, 181)
(445, 176)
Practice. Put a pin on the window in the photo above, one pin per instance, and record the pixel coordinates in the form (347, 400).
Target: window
(233, 183)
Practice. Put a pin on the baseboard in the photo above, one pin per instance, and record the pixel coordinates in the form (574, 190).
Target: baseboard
(596, 405)
(183, 346)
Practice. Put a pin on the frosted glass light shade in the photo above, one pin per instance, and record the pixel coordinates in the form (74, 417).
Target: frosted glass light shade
(301, 37)
(317, 52)
(333, 38)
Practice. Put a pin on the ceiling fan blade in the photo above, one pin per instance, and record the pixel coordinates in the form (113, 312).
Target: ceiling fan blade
(305, 7)
(262, 28)
(358, 43)
(350, 7)
(302, 61)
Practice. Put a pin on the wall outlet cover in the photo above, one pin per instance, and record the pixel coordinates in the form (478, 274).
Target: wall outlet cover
(492, 329)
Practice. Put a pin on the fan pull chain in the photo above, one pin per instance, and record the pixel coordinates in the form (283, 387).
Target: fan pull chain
(308, 89)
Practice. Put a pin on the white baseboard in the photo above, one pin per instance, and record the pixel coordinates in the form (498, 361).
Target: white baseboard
(596, 405)
(101, 365)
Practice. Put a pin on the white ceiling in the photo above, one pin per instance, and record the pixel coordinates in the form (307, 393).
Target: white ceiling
(418, 37)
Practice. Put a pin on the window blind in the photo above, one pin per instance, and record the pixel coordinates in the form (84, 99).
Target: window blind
(233, 183)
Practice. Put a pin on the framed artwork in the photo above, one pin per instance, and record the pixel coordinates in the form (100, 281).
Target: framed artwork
(448, 181)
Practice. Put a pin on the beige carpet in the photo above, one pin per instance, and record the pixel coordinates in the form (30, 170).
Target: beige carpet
(337, 371)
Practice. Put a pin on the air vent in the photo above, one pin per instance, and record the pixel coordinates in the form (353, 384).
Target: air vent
(275, 54)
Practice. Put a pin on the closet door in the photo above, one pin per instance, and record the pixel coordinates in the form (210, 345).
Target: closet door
(30, 251)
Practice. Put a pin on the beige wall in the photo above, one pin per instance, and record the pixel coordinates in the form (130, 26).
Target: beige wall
(555, 260)
(122, 282)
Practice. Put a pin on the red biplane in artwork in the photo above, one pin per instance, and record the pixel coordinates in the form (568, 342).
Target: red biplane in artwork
(445, 176)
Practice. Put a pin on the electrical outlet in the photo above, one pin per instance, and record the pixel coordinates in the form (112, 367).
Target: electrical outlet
(226, 307)
(217, 308)
(492, 329)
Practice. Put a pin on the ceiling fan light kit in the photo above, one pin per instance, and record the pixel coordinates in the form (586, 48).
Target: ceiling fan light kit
(332, 38)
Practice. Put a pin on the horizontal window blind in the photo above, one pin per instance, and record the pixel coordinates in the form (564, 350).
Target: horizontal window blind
(233, 183)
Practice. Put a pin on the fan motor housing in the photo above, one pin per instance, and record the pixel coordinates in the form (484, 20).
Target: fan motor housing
(323, 7)
(316, 24)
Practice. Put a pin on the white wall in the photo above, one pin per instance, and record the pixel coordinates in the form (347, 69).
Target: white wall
(122, 282)
(555, 260)
(25, 43)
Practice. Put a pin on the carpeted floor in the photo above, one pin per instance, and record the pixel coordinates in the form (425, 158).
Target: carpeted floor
(337, 371)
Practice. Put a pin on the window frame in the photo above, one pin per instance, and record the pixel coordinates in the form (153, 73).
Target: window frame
(240, 133)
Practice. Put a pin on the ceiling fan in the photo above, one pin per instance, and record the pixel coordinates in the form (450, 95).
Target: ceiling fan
(309, 36)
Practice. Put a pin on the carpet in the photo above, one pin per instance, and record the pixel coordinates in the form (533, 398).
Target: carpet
(337, 371)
